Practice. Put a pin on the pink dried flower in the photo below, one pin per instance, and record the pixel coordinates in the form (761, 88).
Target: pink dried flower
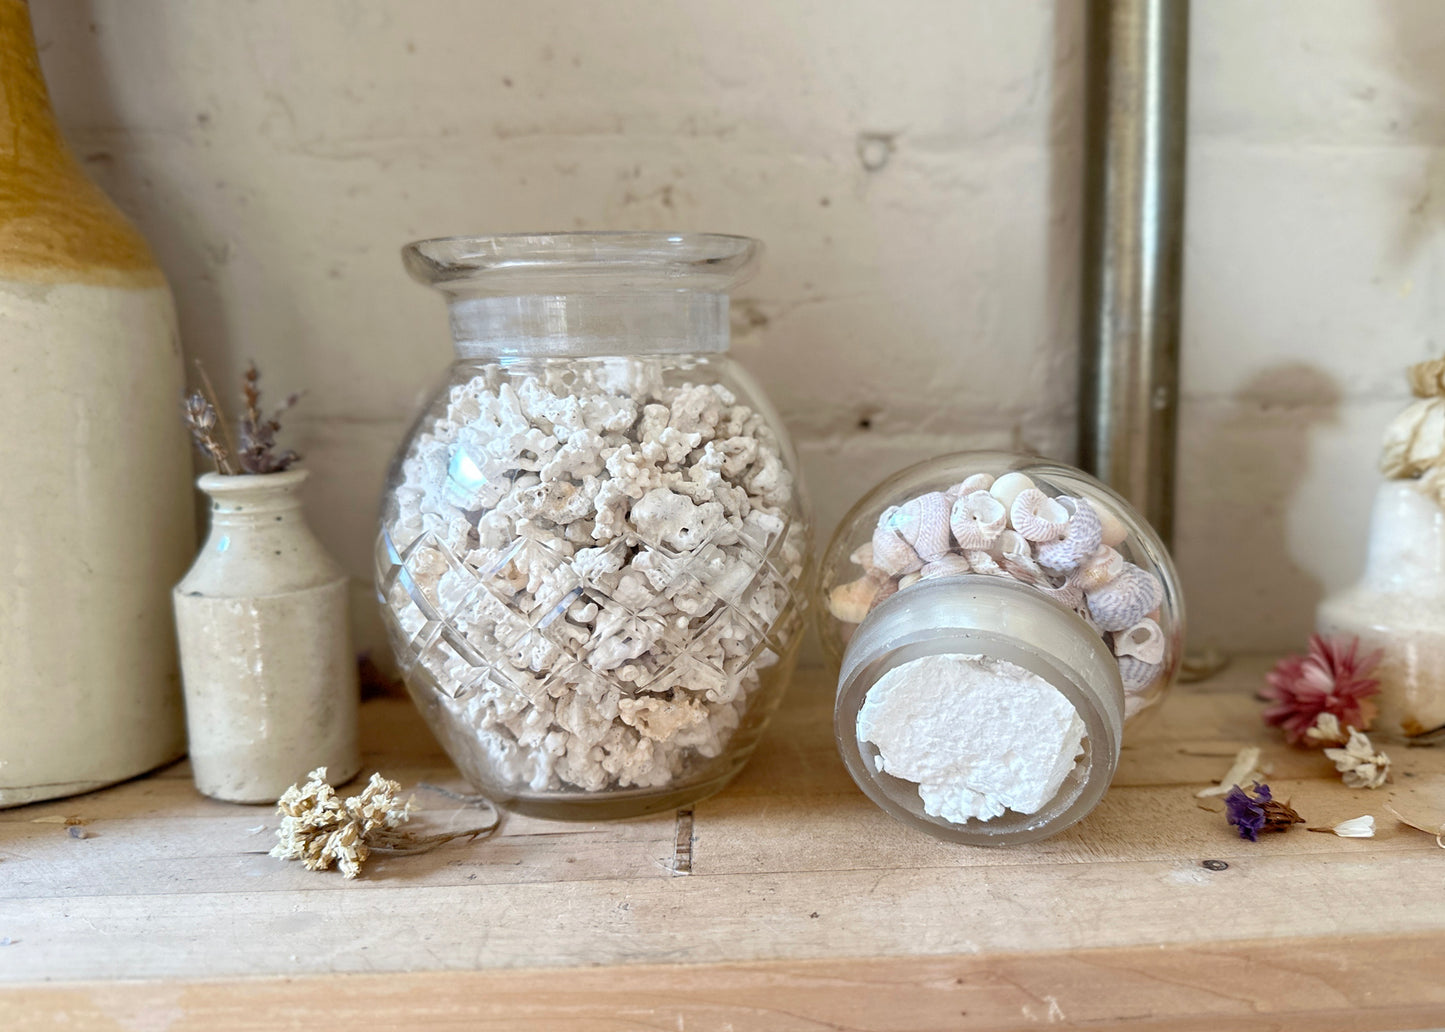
(1331, 679)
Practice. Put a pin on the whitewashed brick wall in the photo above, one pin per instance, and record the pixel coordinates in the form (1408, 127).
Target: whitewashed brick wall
(913, 167)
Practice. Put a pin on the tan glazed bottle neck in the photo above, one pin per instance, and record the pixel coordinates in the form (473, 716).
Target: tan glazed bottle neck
(55, 225)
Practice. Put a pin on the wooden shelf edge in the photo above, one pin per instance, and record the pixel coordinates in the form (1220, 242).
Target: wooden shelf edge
(1353, 984)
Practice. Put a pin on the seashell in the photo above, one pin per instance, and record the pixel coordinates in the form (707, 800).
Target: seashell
(1144, 641)
(891, 554)
(977, 482)
(983, 563)
(908, 580)
(1008, 487)
(1082, 535)
(1112, 531)
(948, 566)
(1068, 595)
(1037, 517)
(1126, 600)
(977, 520)
(1022, 566)
(1082, 609)
(850, 602)
(1136, 703)
(1137, 674)
(889, 588)
(923, 523)
(1011, 542)
(1099, 569)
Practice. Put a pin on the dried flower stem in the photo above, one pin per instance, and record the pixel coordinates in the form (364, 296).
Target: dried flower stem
(209, 391)
(256, 453)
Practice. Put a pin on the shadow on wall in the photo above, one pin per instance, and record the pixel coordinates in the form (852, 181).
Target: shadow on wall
(1244, 590)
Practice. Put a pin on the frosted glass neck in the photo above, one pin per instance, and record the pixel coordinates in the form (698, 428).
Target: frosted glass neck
(576, 325)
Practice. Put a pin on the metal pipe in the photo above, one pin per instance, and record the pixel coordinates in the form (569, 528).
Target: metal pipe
(1133, 242)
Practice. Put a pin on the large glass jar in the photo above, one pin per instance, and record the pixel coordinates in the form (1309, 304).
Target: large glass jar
(593, 539)
(999, 620)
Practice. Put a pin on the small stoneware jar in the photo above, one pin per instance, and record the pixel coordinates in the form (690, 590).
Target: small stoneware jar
(999, 621)
(266, 657)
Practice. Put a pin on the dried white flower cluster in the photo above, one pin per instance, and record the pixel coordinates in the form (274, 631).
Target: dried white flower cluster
(592, 566)
(1358, 762)
(321, 830)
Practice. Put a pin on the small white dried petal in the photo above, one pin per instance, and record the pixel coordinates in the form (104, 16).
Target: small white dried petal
(1356, 827)
(1245, 770)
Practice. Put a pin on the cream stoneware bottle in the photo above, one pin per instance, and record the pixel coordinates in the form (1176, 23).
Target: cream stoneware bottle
(96, 520)
(270, 676)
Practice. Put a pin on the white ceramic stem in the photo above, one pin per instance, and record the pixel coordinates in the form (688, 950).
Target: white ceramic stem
(266, 657)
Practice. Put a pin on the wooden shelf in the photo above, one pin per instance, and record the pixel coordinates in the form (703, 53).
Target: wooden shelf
(806, 908)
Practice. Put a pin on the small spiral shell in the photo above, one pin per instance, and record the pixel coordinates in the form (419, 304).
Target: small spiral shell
(1022, 566)
(977, 482)
(983, 563)
(1144, 641)
(923, 523)
(1067, 595)
(1011, 543)
(1127, 599)
(977, 520)
(1082, 535)
(891, 553)
(850, 602)
(948, 566)
(1038, 517)
(1112, 529)
(1007, 487)
(862, 556)
(1137, 674)
(1099, 569)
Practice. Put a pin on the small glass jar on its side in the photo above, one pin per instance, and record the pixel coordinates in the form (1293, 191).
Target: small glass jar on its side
(1081, 611)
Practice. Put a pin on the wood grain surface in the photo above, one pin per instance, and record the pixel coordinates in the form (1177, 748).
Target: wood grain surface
(805, 907)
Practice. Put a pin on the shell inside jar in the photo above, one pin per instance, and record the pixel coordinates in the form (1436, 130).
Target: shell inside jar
(1070, 548)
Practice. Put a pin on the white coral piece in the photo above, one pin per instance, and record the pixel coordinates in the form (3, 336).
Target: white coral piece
(596, 560)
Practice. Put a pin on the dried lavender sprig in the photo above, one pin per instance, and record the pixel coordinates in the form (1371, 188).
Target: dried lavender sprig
(208, 391)
(200, 416)
(258, 435)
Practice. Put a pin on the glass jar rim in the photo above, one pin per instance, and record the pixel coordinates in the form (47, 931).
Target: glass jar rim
(567, 262)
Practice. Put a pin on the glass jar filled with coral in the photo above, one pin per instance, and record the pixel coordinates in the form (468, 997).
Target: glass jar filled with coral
(594, 537)
(999, 620)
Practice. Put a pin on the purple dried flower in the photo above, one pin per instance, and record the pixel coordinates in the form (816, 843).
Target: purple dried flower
(1252, 814)
(1244, 812)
